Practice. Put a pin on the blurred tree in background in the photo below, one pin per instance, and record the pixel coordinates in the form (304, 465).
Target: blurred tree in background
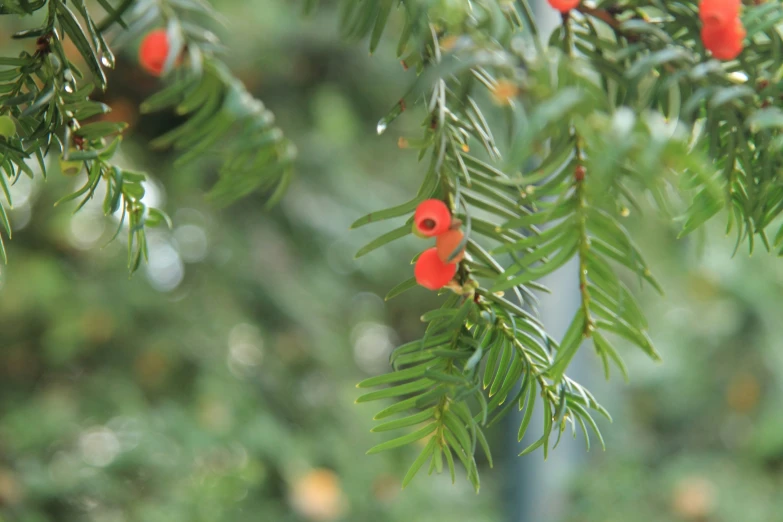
(700, 437)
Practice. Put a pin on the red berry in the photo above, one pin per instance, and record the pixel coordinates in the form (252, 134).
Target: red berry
(446, 243)
(432, 217)
(416, 232)
(153, 51)
(431, 272)
(725, 43)
(564, 5)
(719, 12)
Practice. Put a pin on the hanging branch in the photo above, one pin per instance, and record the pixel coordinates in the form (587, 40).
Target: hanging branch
(440, 376)
(45, 107)
(222, 119)
(624, 103)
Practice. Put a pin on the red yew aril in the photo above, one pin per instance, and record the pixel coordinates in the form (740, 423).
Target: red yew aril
(416, 232)
(432, 217)
(431, 272)
(153, 51)
(719, 12)
(725, 43)
(564, 5)
(446, 243)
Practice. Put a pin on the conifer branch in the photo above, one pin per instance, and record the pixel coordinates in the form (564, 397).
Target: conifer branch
(624, 110)
(50, 110)
(47, 99)
(223, 119)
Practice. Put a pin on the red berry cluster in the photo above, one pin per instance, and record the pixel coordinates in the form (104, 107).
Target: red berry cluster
(153, 51)
(722, 31)
(564, 5)
(433, 269)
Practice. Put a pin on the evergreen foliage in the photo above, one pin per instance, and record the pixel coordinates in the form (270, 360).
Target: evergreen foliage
(622, 103)
(48, 98)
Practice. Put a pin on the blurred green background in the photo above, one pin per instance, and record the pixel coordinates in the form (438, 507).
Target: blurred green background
(217, 384)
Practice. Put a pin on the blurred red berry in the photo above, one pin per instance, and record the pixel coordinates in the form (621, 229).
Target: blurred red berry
(432, 217)
(564, 5)
(446, 243)
(718, 12)
(724, 42)
(153, 51)
(431, 272)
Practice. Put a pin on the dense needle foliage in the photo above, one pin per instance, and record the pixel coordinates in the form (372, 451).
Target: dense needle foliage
(623, 103)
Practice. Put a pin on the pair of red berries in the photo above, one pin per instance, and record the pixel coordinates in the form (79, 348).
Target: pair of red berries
(434, 269)
(722, 31)
(564, 5)
(153, 51)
